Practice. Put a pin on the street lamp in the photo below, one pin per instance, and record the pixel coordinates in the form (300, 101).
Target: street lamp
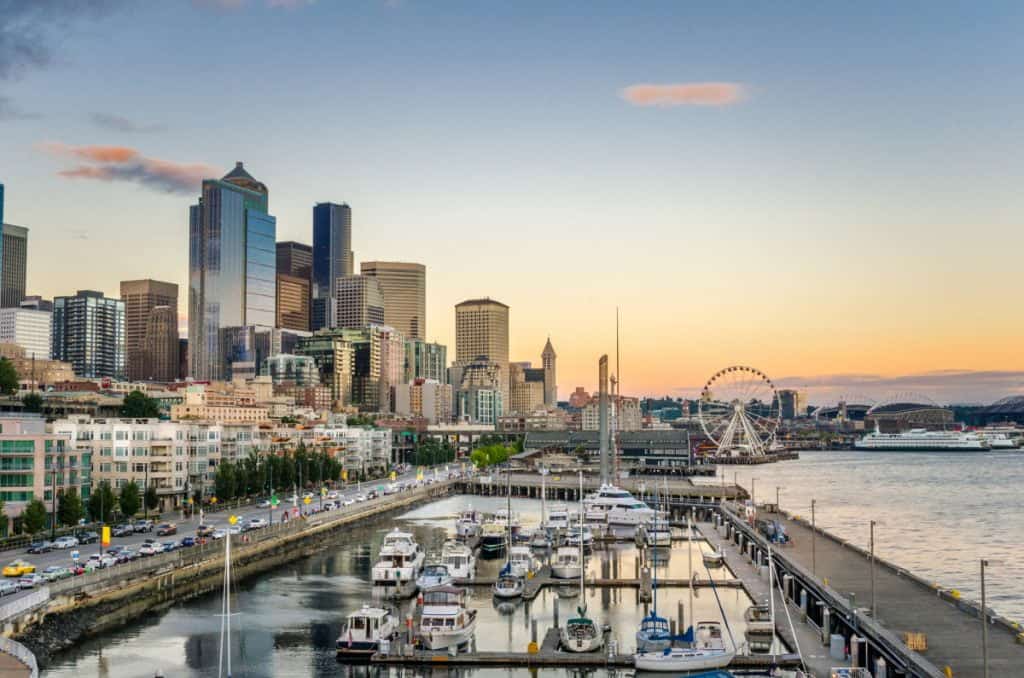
(145, 493)
(53, 499)
(778, 505)
(814, 540)
(874, 610)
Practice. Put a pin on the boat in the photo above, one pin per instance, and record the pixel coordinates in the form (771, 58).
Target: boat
(709, 651)
(714, 558)
(468, 524)
(508, 584)
(363, 631)
(398, 564)
(444, 620)
(565, 563)
(759, 620)
(506, 519)
(581, 633)
(434, 575)
(658, 532)
(922, 440)
(999, 441)
(459, 560)
(539, 540)
(580, 536)
(521, 561)
(492, 540)
(612, 505)
(559, 518)
(654, 634)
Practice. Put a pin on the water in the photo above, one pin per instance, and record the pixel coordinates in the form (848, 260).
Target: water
(938, 513)
(289, 619)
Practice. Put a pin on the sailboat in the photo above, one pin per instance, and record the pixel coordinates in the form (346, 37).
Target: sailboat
(654, 634)
(508, 584)
(581, 633)
(540, 540)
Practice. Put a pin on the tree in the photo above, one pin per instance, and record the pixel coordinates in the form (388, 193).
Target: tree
(69, 507)
(8, 377)
(102, 496)
(130, 499)
(151, 498)
(32, 402)
(3, 519)
(224, 481)
(33, 518)
(138, 405)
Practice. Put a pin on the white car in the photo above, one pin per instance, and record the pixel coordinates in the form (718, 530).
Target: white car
(218, 534)
(360, 497)
(257, 523)
(333, 494)
(348, 502)
(65, 543)
(150, 549)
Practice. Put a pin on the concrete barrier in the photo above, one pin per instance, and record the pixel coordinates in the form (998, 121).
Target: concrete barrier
(21, 653)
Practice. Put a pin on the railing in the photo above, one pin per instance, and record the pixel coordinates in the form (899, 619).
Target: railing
(21, 653)
(32, 600)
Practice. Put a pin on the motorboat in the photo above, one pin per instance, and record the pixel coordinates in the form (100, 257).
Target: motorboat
(714, 558)
(558, 519)
(434, 575)
(709, 651)
(539, 540)
(759, 620)
(508, 586)
(363, 631)
(468, 524)
(444, 620)
(566, 564)
(493, 539)
(398, 564)
(658, 532)
(581, 633)
(507, 520)
(459, 560)
(521, 561)
(580, 536)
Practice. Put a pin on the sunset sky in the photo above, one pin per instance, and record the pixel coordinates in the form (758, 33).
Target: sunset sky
(829, 192)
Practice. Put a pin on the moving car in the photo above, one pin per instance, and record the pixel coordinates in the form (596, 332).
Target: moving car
(218, 534)
(39, 547)
(123, 530)
(87, 537)
(55, 572)
(143, 526)
(166, 529)
(348, 502)
(263, 504)
(150, 549)
(19, 568)
(256, 523)
(170, 546)
(187, 542)
(65, 543)
(8, 587)
(30, 581)
(205, 531)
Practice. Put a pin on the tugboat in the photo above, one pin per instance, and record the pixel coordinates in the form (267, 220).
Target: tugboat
(445, 622)
(398, 565)
(459, 560)
(364, 630)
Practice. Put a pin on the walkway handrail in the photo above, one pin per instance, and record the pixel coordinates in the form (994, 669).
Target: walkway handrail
(21, 653)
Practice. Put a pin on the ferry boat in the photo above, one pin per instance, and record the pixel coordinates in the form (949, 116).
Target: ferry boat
(433, 576)
(398, 564)
(363, 631)
(566, 563)
(459, 560)
(493, 538)
(922, 440)
(615, 506)
(444, 621)
(998, 441)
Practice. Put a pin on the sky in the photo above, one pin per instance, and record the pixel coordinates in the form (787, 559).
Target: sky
(828, 192)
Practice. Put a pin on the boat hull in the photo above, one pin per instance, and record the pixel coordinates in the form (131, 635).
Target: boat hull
(442, 640)
(574, 643)
(677, 660)
(357, 649)
(565, 571)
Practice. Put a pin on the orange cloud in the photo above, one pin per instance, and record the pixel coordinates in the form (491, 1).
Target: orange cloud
(120, 163)
(684, 94)
(116, 154)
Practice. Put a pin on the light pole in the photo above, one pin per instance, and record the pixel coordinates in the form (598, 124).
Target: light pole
(753, 497)
(874, 610)
(145, 495)
(53, 499)
(778, 506)
(814, 544)
(984, 623)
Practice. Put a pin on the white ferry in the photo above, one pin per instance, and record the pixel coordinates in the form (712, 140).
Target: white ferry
(923, 440)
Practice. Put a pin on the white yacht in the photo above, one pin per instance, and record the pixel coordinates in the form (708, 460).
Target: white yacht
(459, 560)
(923, 440)
(565, 564)
(434, 576)
(615, 506)
(468, 524)
(521, 561)
(398, 564)
(445, 622)
(580, 535)
(559, 518)
(364, 629)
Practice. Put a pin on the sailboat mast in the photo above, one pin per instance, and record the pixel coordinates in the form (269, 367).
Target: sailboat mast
(508, 517)
(689, 557)
(771, 593)
(227, 596)
(583, 593)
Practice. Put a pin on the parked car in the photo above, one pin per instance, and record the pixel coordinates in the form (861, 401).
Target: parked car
(39, 547)
(55, 572)
(65, 543)
(150, 549)
(166, 529)
(123, 530)
(8, 587)
(19, 568)
(205, 531)
(88, 537)
(143, 526)
(169, 545)
(218, 534)
(256, 523)
(187, 542)
(30, 581)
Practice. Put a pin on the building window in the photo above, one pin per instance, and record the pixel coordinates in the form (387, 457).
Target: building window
(121, 452)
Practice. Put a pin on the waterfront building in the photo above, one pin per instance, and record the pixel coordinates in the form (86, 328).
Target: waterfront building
(425, 398)
(151, 343)
(638, 449)
(481, 333)
(292, 307)
(29, 329)
(360, 449)
(425, 360)
(88, 332)
(34, 462)
(404, 287)
(541, 419)
(232, 266)
(359, 302)
(332, 259)
(14, 254)
(221, 403)
(293, 370)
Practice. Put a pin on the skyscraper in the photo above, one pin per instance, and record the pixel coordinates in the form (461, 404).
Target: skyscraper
(359, 302)
(232, 266)
(404, 286)
(295, 259)
(292, 302)
(424, 360)
(481, 335)
(548, 357)
(29, 329)
(14, 253)
(88, 332)
(142, 343)
(332, 258)
(1, 223)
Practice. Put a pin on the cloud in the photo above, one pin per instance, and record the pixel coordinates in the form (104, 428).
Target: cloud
(122, 163)
(29, 28)
(119, 123)
(684, 94)
(10, 111)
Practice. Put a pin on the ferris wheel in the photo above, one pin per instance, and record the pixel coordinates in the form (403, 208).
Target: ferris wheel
(739, 411)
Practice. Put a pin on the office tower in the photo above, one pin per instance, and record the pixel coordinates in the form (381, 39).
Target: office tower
(548, 357)
(88, 332)
(360, 365)
(141, 343)
(425, 360)
(332, 259)
(12, 269)
(37, 303)
(481, 333)
(292, 302)
(295, 259)
(182, 359)
(404, 287)
(232, 266)
(1, 223)
(792, 404)
(29, 329)
(360, 302)
(526, 395)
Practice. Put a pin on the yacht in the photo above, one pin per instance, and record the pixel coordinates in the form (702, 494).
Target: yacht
(615, 506)
(566, 563)
(364, 630)
(493, 538)
(467, 525)
(398, 564)
(507, 520)
(923, 440)
(580, 535)
(459, 560)
(558, 518)
(444, 621)
(521, 561)
(433, 576)
(539, 540)
(709, 651)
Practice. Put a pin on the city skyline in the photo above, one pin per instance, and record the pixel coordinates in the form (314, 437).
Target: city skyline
(763, 208)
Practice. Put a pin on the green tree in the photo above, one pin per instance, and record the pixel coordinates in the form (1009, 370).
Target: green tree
(8, 377)
(69, 507)
(32, 402)
(102, 497)
(224, 481)
(152, 499)
(130, 500)
(33, 518)
(138, 405)
(3, 519)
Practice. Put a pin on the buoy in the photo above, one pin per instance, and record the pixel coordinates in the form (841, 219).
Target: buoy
(532, 648)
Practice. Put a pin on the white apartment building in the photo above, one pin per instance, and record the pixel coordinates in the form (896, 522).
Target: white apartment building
(29, 329)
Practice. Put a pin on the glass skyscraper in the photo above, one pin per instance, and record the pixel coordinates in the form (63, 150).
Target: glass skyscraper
(232, 267)
(332, 259)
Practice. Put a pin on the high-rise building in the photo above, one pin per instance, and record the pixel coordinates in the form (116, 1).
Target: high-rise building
(36, 303)
(792, 403)
(548, 357)
(404, 286)
(361, 365)
(29, 329)
(232, 266)
(425, 360)
(360, 302)
(88, 332)
(481, 333)
(295, 259)
(332, 259)
(525, 395)
(12, 269)
(292, 302)
(142, 344)
(1, 222)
